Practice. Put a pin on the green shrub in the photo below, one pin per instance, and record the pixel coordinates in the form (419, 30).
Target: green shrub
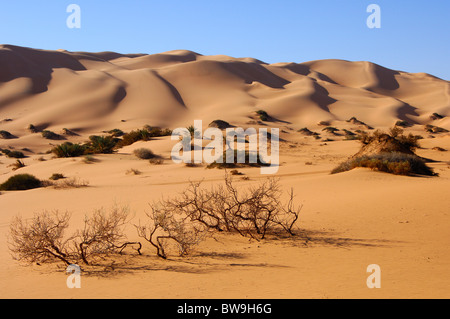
(21, 182)
(69, 150)
(263, 116)
(101, 144)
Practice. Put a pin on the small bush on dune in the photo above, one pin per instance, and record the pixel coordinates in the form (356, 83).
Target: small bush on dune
(101, 144)
(51, 135)
(13, 154)
(394, 163)
(56, 176)
(143, 153)
(263, 116)
(69, 150)
(21, 182)
(6, 135)
(144, 134)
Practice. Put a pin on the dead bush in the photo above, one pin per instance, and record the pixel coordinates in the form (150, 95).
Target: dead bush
(42, 239)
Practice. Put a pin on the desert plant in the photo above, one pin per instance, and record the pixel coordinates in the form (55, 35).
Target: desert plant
(394, 163)
(41, 239)
(143, 153)
(17, 164)
(101, 144)
(133, 171)
(13, 154)
(32, 128)
(51, 135)
(56, 176)
(235, 163)
(168, 227)
(156, 161)
(68, 149)
(21, 182)
(250, 213)
(89, 159)
(73, 182)
(102, 234)
(6, 135)
(263, 116)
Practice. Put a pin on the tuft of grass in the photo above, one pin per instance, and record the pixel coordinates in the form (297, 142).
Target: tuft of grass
(394, 163)
(17, 164)
(73, 182)
(21, 182)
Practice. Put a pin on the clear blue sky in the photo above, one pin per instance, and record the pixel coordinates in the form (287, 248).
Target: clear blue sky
(414, 34)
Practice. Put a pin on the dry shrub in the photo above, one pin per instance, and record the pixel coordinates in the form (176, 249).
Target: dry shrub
(73, 182)
(42, 238)
(196, 212)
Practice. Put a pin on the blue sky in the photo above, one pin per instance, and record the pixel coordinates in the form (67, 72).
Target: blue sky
(414, 34)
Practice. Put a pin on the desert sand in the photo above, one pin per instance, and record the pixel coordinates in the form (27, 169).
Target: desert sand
(348, 220)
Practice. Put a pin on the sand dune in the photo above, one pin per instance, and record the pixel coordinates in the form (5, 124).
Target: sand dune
(348, 220)
(110, 87)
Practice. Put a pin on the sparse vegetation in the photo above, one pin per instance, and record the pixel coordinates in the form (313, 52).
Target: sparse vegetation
(235, 163)
(51, 135)
(394, 163)
(156, 161)
(133, 171)
(56, 176)
(436, 116)
(69, 149)
(73, 182)
(100, 144)
(402, 123)
(13, 154)
(42, 239)
(6, 135)
(330, 129)
(143, 153)
(186, 220)
(21, 182)
(391, 153)
(435, 129)
(17, 164)
(32, 129)
(263, 116)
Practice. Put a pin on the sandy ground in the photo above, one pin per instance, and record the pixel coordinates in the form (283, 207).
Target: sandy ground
(348, 220)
